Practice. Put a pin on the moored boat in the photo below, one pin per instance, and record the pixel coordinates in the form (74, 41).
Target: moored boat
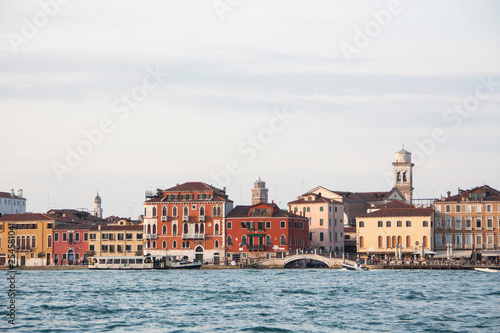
(488, 270)
(355, 267)
(141, 263)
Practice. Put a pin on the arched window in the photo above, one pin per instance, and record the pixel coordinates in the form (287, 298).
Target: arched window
(188, 245)
(425, 224)
(154, 244)
(154, 228)
(282, 240)
(154, 211)
(174, 211)
(174, 229)
(388, 242)
(400, 240)
(202, 211)
(388, 224)
(18, 242)
(320, 209)
(183, 245)
(49, 241)
(393, 241)
(408, 241)
(185, 228)
(308, 209)
(202, 228)
(149, 228)
(243, 241)
(148, 244)
(23, 242)
(425, 242)
(216, 231)
(186, 211)
(362, 242)
(164, 230)
(33, 242)
(174, 244)
(214, 211)
(268, 241)
(164, 211)
(361, 224)
(164, 244)
(196, 229)
(28, 242)
(145, 212)
(399, 224)
(310, 236)
(216, 243)
(380, 242)
(218, 211)
(229, 241)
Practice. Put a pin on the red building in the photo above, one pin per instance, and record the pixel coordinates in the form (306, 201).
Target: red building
(70, 243)
(261, 229)
(187, 220)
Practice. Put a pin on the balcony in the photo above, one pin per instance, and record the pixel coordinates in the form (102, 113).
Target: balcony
(150, 236)
(193, 236)
(256, 247)
(459, 246)
(490, 246)
(202, 218)
(164, 219)
(468, 246)
(185, 218)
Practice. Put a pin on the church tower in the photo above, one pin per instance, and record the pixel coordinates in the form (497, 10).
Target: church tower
(97, 206)
(259, 192)
(403, 174)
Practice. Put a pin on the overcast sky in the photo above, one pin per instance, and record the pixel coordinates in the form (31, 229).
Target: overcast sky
(300, 93)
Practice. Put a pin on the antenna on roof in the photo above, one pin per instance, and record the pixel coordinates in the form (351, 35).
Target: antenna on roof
(403, 145)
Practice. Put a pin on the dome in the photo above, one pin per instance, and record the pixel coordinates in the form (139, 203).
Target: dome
(97, 199)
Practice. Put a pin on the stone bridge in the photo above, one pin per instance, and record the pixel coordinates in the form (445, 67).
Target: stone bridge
(282, 262)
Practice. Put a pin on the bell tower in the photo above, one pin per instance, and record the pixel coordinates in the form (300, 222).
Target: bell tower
(259, 192)
(97, 206)
(403, 174)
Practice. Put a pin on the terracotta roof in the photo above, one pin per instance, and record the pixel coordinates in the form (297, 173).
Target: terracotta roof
(242, 212)
(7, 196)
(72, 226)
(317, 199)
(25, 217)
(393, 204)
(192, 186)
(399, 212)
(117, 227)
(491, 194)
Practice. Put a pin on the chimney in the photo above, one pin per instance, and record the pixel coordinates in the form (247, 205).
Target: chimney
(12, 193)
(20, 193)
(99, 227)
(449, 194)
(319, 194)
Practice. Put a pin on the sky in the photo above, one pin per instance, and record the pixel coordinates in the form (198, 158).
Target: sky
(124, 96)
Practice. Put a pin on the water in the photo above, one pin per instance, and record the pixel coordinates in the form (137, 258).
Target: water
(299, 300)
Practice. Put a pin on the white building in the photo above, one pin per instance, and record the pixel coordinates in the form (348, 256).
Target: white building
(11, 203)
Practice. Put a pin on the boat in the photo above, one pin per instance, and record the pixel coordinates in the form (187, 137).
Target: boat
(142, 262)
(488, 270)
(355, 267)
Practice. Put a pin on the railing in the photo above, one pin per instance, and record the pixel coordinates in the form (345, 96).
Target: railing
(185, 218)
(468, 246)
(150, 236)
(164, 219)
(256, 247)
(193, 236)
(490, 246)
(202, 218)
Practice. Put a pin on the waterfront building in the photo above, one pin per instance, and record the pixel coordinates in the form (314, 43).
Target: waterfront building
(326, 227)
(33, 238)
(70, 243)
(115, 240)
(469, 222)
(397, 224)
(263, 229)
(187, 220)
(11, 203)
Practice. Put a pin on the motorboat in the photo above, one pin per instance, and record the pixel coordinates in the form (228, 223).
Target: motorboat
(488, 270)
(142, 262)
(355, 267)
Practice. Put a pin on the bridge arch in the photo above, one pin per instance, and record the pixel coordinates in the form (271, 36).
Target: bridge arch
(315, 257)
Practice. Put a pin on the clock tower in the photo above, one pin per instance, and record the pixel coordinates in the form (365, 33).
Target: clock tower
(259, 192)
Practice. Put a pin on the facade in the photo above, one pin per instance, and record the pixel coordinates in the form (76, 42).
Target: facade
(115, 240)
(187, 220)
(470, 222)
(33, 238)
(326, 227)
(11, 203)
(403, 174)
(386, 227)
(70, 243)
(262, 229)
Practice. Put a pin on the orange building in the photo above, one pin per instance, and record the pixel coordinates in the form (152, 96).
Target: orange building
(187, 220)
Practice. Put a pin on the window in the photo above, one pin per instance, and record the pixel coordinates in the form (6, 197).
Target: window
(216, 231)
(380, 224)
(361, 224)
(458, 239)
(321, 237)
(282, 224)
(229, 225)
(439, 239)
(85, 236)
(320, 209)
(282, 240)
(186, 211)
(468, 208)
(408, 241)
(118, 248)
(468, 223)
(438, 209)
(448, 222)
(489, 223)
(478, 208)
(33, 242)
(216, 244)
(64, 237)
(448, 239)
(111, 248)
(139, 236)
(438, 222)
(268, 241)
(388, 242)
(229, 241)
(154, 211)
(164, 230)
(77, 236)
(174, 229)
(448, 209)
(56, 237)
(128, 248)
(174, 211)
(458, 223)
(119, 236)
(92, 236)
(308, 209)
(335, 209)
(260, 225)
(425, 224)
(139, 247)
(268, 224)
(320, 222)
(243, 241)
(478, 223)
(164, 211)
(479, 239)
(457, 208)
(399, 224)
(92, 247)
(388, 224)
(408, 223)
(468, 239)
(489, 239)
(380, 242)
(111, 236)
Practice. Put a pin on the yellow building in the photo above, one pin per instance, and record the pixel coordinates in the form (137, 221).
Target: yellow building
(389, 226)
(115, 240)
(32, 235)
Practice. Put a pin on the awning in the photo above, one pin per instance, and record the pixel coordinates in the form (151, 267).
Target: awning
(256, 235)
(454, 254)
(491, 253)
(426, 252)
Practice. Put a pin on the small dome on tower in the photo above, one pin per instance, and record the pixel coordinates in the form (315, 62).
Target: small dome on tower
(97, 199)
